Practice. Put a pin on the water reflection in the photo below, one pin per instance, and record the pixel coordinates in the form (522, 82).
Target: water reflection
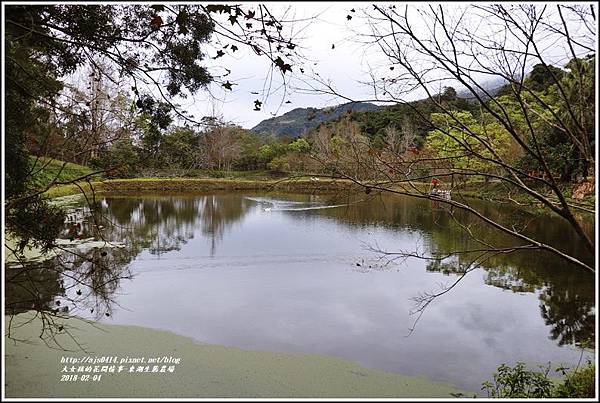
(566, 292)
(103, 238)
(283, 272)
(163, 224)
(35, 287)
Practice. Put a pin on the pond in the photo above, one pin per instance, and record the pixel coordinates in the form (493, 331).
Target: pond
(318, 274)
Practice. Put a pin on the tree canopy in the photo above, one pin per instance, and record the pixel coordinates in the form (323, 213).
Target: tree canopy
(159, 52)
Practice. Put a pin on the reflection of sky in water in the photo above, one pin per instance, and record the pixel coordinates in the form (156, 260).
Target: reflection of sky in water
(289, 281)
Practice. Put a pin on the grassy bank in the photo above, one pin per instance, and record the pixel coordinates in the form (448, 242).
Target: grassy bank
(304, 184)
(34, 370)
(45, 170)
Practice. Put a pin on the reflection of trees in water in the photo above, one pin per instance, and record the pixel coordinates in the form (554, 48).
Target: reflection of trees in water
(83, 281)
(93, 277)
(220, 213)
(72, 281)
(80, 283)
(31, 288)
(571, 316)
(566, 293)
(442, 231)
(511, 278)
(128, 225)
(157, 224)
(162, 224)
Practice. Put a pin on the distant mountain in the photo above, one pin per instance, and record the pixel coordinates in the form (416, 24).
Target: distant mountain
(491, 86)
(295, 122)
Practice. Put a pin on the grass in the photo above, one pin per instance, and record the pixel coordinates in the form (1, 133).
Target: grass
(47, 170)
(200, 184)
(70, 189)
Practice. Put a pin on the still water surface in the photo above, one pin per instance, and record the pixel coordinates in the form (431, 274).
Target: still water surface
(298, 273)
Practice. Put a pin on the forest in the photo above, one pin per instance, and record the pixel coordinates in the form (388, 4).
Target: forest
(114, 136)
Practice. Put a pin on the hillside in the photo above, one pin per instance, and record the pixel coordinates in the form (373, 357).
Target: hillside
(295, 122)
(47, 170)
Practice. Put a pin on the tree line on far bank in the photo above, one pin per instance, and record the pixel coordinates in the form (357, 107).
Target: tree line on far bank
(126, 139)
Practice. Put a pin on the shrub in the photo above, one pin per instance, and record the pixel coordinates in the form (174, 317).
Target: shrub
(279, 164)
(578, 383)
(517, 381)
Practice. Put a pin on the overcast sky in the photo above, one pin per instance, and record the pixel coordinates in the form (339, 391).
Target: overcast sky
(344, 65)
(321, 25)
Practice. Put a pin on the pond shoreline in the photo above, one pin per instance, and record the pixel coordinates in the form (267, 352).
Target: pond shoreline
(204, 371)
(494, 193)
(203, 184)
(406, 365)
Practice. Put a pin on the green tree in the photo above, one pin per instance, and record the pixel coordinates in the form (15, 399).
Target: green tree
(555, 116)
(541, 77)
(266, 153)
(179, 148)
(45, 43)
(578, 111)
(299, 146)
(121, 160)
(467, 144)
(466, 52)
(250, 145)
(158, 49)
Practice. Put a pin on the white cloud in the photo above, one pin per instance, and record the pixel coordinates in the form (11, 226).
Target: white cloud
(344, 64)
(318, 27)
